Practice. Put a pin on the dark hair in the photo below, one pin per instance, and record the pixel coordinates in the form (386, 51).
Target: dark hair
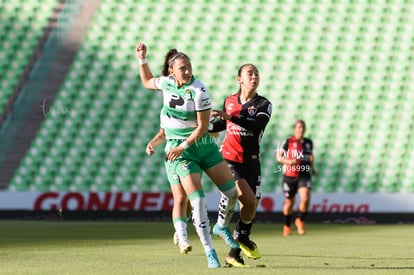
(242, 67)
(169, 59)
(241, 70)
(301, 121)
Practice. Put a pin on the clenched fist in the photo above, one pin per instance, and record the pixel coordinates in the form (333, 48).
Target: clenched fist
(141, 51)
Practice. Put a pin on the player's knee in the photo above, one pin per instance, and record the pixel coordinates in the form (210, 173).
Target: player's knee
(180, 200)
(289, 201)
(305, 200)
(248, 201)
(250, 204)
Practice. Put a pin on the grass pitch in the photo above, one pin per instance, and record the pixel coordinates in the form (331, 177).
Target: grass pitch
(147, 248)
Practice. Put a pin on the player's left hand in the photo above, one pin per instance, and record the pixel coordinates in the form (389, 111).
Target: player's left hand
(221, 114)
(149, 149)
(174, 153)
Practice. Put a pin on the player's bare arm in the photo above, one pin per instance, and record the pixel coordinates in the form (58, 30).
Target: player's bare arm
(147, 78)
(203, 120)
(312, 161)
(158, 139)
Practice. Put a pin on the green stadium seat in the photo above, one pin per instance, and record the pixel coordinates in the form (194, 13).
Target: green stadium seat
(342, 67)
(21, 26)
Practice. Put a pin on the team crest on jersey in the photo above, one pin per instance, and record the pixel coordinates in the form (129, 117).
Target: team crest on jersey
(187, 95)
(252, 110)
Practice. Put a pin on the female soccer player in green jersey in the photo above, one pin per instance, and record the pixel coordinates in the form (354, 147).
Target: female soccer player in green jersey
(181, 208)
(181, 211)
(190, 150)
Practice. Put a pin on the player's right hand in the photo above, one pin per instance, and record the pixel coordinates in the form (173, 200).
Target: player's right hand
(149, 149)
(141, 50)
(221, 114)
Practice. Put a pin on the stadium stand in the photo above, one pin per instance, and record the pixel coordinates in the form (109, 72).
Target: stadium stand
(345, 67)
(22, 24)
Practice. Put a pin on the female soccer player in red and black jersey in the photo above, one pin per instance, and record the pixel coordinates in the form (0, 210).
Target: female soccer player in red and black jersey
(244, 116)
(298, 160)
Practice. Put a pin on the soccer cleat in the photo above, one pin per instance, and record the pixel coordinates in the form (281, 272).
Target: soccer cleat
(235, 262)
(212, 259)
(225, 234)
(185, 247)
(300, 226)
(286, 231)
(249, 248)
(175, 238)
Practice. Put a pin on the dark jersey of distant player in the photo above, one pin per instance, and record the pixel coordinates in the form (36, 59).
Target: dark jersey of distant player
(300, 150)
(307, 147)
(292, 150)
(245, 128)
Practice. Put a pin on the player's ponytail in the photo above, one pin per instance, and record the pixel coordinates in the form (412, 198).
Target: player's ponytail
(170, 57)
(166, 65)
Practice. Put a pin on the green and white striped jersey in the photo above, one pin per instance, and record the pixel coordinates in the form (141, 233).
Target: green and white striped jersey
(178, 114)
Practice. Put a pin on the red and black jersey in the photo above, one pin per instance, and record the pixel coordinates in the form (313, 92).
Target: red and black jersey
(246, 127)
(292, 150)
(300, 150)
(307, 147)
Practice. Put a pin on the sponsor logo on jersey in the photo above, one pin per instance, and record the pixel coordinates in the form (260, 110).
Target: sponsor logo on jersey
(230, 107)
(252, 110)
(205, 102)
(184, 166)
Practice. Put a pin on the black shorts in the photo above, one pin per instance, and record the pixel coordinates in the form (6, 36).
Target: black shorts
(290, 185)
(250, 171)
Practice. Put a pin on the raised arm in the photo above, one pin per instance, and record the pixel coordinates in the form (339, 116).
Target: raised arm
(147, 79)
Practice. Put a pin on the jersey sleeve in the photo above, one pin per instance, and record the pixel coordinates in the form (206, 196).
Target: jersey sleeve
(159, 82)
(219, 125)
(265, 110)
(258, 122)
(285, 145)
(161, 121)
(202, 99)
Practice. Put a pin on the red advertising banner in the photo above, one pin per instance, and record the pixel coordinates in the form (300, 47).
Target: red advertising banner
(156, 201)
